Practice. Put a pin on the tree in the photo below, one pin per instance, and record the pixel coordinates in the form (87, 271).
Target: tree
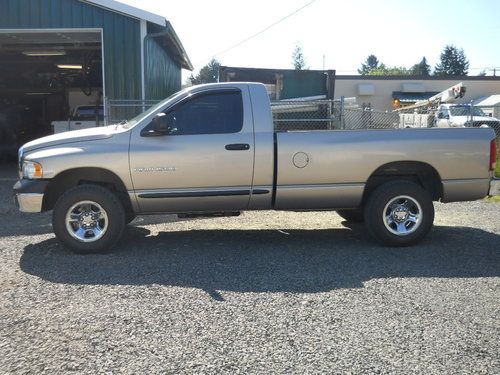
(209, 73)
(298, 60)
(370, 64)
(482, 73)
(383, 70)
(421, 69)
(452, 62)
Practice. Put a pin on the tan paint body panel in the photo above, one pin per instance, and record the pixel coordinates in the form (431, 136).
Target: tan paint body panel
(348, 159)
(315, 170)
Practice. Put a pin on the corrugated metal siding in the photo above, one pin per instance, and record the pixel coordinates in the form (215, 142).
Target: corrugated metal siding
(122, 45)
(163, 74)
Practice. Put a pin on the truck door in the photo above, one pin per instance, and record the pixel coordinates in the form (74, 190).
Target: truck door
(204, 162)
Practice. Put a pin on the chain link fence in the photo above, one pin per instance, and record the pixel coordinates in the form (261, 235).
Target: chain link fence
(341, 114)
(118, 110)
(345, 114)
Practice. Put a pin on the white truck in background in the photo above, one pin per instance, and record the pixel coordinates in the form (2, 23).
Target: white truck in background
(431, 107)
(82, 117)
(463, 115)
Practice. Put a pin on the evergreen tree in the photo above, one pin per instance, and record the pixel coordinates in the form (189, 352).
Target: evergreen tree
(370, 64)
(298, 60)
(421, 69)
(452, 62)
(208, 74)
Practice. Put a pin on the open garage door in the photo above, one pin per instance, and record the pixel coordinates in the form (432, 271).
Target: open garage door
(44, 76)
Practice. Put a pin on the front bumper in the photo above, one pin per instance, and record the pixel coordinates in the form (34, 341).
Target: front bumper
(494, 187)
(28, 194)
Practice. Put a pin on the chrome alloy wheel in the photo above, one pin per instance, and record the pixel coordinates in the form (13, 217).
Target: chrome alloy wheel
(402, 215)
(86, 221)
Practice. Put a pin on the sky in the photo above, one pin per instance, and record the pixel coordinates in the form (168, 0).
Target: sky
(333, 34)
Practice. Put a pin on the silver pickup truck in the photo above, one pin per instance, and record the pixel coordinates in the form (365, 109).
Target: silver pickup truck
(213, 150)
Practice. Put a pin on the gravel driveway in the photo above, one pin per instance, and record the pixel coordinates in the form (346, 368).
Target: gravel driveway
(265, 293)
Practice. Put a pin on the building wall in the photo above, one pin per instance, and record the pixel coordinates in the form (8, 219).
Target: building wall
(347, 86)
(121, 34)
(162, 73)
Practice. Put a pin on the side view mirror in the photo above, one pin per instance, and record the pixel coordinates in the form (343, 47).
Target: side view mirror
(160, 124)
(447, 117)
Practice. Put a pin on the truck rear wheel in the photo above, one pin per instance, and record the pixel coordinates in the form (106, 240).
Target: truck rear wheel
(399, 213)
(354, 216)
(88, 219)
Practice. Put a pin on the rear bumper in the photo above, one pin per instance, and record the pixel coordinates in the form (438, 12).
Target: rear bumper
(28, 194)
(494, 187)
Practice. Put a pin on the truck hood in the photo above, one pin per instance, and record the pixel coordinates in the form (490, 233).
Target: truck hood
(83, 135)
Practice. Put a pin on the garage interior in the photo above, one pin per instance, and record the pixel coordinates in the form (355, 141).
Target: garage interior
(44, 75)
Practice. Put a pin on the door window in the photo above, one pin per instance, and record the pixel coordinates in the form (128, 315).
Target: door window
(214, 113)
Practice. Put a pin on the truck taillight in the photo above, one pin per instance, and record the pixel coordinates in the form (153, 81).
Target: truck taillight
(493, 155)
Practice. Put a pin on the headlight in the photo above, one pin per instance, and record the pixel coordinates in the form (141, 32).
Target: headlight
(32, 170)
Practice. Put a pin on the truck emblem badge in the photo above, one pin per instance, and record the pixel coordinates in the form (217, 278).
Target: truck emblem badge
(154, 169)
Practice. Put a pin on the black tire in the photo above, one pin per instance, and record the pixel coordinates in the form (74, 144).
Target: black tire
(353, 216)
(108, 202)
(376, 212)
(129, 217)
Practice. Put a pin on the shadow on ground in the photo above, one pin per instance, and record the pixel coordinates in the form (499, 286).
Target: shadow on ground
(305, 261)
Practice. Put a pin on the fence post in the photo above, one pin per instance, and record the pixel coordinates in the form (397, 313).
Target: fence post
(471, 113)
(106, 111)
(330, 113)
(341, 115)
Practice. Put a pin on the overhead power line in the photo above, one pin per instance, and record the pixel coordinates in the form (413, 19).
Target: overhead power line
(264, 30)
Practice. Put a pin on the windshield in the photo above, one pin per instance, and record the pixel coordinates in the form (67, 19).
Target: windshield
(464, 110)
(132, 122)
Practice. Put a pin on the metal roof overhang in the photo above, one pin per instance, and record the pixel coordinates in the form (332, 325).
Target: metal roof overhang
(173, 42)
(412, 97)
(128, 10)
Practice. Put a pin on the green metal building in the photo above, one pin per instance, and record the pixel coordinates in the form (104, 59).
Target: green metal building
(141, 55)
(57, 55)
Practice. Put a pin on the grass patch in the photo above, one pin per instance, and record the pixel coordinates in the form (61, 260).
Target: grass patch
(492, 199)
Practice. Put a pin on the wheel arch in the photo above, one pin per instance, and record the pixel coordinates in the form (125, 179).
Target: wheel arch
(86, 175)
(421, 173)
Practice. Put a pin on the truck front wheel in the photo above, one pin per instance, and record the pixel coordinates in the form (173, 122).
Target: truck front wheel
(399, 213)
(88, 219)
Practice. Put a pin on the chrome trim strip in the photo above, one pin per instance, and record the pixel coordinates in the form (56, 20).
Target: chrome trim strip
(201, 193)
